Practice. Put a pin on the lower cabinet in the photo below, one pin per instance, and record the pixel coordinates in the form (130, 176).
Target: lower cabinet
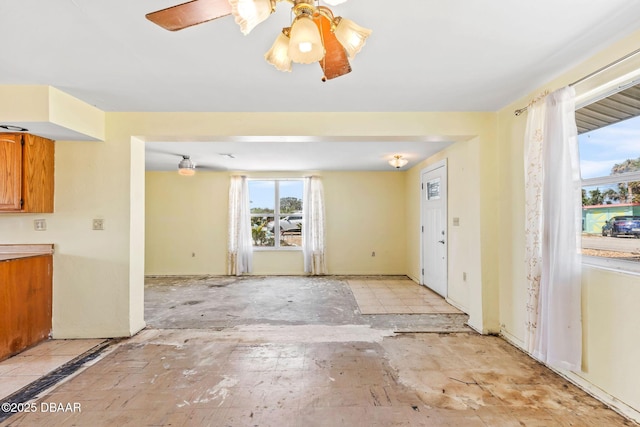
(25, 302)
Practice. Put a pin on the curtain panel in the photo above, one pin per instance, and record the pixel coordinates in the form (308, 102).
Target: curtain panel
(313, 222)
(553, 232)
(240, 245)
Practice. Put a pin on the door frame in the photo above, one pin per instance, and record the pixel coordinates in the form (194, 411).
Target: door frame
(431, 168)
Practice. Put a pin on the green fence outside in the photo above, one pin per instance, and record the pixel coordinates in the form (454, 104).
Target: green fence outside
(594, 217)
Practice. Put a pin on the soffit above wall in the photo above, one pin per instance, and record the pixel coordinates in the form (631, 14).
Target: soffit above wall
(612, 109)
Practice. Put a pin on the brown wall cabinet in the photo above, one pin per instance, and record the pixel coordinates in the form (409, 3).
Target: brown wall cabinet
(25, 302)
(26, 173)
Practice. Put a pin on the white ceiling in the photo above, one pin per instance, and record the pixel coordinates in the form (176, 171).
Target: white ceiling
(423, 55)
(292, 153)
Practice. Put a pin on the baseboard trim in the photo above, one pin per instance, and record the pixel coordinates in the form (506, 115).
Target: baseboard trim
(589, 388)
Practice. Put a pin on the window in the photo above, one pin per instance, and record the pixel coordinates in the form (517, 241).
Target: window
(609, 143)
(433, 189)
(276, 213)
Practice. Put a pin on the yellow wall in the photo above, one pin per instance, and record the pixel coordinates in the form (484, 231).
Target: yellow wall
(610, 322)
(463, 203)
(188, 215)
(365, 213)
(611, 350)
(186, 223)
(34, 105)
(466, 197)
(98, 275)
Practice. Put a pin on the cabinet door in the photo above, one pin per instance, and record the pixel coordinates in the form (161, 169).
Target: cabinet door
(10, 172)
(37, 174)
(25, 303)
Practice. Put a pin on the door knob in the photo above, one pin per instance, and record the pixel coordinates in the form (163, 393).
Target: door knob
(441, 241)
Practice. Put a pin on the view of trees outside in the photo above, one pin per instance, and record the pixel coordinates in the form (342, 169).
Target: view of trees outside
(623, 192)
(611, 150)
(270, 202)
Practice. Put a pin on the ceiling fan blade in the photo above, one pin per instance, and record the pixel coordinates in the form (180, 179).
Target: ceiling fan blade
(335, 62)
(191, 13)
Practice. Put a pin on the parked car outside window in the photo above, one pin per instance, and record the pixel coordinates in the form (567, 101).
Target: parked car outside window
(289, 223)
(622, 225)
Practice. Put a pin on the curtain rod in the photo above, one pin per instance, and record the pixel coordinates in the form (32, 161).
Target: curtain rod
(588, 76)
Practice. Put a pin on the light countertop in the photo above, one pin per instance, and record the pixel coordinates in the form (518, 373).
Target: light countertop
(10, 252)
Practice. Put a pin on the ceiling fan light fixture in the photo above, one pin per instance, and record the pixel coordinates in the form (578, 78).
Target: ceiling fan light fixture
(350, 35)
(186, 167)
(249, 13)
(398, 162)
(315, 34)
(305, 45)
(278, 55)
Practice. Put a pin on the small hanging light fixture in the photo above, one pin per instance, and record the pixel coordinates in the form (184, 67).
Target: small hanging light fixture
(186, 167)
(398, 162)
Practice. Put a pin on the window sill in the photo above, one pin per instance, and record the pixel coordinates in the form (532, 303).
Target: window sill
(625, 267)
(281, 249)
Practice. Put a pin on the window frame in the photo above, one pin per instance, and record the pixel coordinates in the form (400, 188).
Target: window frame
(277, 215)
(611, 264)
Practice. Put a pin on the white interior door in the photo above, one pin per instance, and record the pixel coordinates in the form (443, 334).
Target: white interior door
(434, 229)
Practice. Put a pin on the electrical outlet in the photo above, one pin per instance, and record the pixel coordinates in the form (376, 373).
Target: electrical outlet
(193, 254)
(373, 253)
(40, 224)
(456, 222)
(98, 224)
(464, 276)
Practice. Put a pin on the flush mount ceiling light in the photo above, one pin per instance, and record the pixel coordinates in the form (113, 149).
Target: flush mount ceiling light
(315, 34)
(186, 167)
(398, 162)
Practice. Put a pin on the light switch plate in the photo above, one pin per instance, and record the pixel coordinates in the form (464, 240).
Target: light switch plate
(40, 224)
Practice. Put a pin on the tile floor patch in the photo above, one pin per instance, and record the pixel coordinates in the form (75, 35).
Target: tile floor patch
(397, 296)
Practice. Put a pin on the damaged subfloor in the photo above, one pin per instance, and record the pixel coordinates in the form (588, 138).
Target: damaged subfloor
(296, 351)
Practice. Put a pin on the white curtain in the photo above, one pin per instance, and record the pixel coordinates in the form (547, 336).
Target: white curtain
(240, 245)
(313, 235)
(553, 229)
(533, 215)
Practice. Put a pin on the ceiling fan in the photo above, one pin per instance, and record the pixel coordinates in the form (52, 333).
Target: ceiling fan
(315, 35)
(186, 166)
